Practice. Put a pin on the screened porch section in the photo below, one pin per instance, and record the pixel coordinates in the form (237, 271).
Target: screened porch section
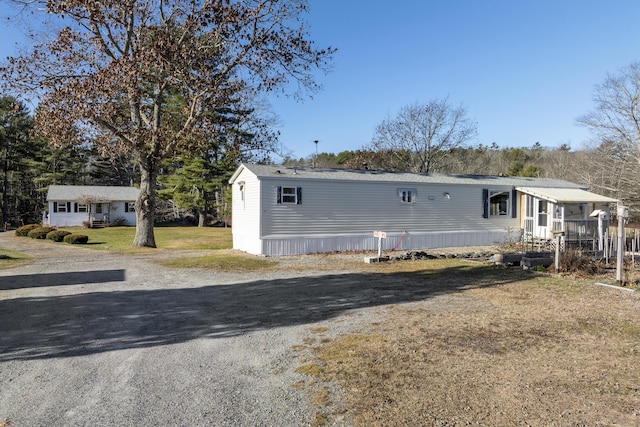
(583, 217)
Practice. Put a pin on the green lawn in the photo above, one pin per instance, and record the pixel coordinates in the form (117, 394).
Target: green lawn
(222, 261)
(9, 259)
(121, 238)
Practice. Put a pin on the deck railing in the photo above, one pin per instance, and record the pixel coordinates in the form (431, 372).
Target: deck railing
(574, 229)
(580, 229)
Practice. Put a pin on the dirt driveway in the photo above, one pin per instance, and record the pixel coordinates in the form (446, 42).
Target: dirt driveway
(93, 338)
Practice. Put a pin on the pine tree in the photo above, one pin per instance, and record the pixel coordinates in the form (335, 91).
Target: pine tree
(18, 203)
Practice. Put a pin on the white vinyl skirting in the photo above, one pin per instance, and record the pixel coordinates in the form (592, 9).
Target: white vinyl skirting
(295, 245)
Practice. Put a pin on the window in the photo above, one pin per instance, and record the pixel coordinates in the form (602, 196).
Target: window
(407, 195)
(529, 206)
(62, 206)
(129, 206)
(289, 195)
(497, 202)
(99, 208)
(543, 217)
(81, 207)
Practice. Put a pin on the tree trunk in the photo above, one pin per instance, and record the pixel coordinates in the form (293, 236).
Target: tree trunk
(202, 215)
(146, 206)
(5, 187)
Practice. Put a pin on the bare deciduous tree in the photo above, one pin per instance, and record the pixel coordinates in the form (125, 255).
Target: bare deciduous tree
(421, 135)
(147, 77)
(615, 123)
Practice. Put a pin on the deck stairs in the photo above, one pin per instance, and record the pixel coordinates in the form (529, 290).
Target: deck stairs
(98, 223)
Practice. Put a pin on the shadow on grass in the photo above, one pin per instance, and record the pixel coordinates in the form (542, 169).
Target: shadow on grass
(88, 323)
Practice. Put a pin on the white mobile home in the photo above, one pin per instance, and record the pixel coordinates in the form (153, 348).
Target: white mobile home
(93, 206)
(278, 210)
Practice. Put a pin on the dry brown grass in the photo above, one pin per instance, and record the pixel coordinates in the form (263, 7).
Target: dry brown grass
(540, 350)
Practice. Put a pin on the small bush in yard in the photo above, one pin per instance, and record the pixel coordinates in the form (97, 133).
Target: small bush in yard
(575, 261)
(57, 235)
(76, 239)
(25, 229)
(40, 232)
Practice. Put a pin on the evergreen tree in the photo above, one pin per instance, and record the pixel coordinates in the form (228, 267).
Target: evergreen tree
(19, 203)
(190, 185)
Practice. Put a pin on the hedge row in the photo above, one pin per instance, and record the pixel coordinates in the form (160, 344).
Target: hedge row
(25, 229)
(40, 232)
(57, 235)
(36, 231)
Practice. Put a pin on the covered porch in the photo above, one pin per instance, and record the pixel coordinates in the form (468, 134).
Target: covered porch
(582, 216)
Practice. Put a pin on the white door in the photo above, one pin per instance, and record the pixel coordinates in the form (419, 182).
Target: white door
(542, 219)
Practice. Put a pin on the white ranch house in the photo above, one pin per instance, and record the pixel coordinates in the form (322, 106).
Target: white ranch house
(279, 210)
(95, 206)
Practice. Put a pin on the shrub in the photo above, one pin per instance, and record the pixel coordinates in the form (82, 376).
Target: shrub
(25, 229)
(119, 221)
(577, 262)
(40, 232)
(57, 235)
(76, 239)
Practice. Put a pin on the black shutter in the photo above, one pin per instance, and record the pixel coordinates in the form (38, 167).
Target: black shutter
(485, 203)
(514, 203)
(68, 206)
(75, 206)
(299, 195)
(55, 206)
(279, 196)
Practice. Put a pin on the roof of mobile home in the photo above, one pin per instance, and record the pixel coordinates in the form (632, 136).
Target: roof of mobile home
(280, 172)
(554, 190)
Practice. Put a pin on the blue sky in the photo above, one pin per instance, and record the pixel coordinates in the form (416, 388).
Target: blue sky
(524, 69)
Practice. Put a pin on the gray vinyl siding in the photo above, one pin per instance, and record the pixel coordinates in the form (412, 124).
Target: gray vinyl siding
(340, 209)
(361, 207)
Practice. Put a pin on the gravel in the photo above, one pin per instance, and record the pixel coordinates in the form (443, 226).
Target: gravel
(91, 338)
(102, 339)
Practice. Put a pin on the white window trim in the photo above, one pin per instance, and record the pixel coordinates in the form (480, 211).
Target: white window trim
(407, 196)
(508, 208)
(289, 198)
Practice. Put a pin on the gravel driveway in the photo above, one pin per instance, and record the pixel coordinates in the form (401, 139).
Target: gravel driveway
(102, 339)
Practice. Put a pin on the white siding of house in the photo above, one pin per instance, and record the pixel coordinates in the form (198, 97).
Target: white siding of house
(118, 211)
(340, 216)
(66, 219)
(115, 210)
(246, 214)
